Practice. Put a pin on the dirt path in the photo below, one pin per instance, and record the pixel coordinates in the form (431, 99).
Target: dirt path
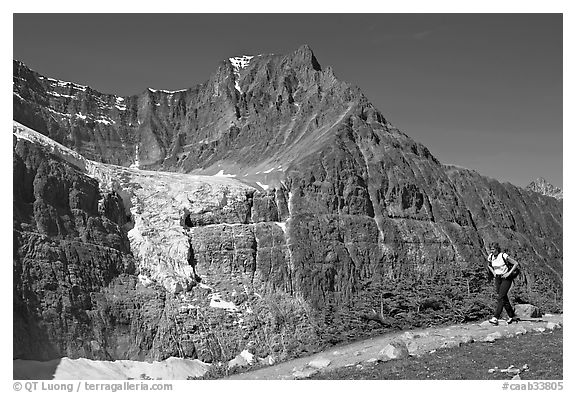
(412, 342)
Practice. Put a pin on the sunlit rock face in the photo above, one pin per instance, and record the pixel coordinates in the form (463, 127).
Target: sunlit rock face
(271, 208)
(543, 187)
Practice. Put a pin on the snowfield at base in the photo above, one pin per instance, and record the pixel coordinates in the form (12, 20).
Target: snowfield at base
(66, 368)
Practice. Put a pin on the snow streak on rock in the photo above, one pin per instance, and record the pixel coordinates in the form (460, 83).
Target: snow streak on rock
(239, 63)
(136, 164)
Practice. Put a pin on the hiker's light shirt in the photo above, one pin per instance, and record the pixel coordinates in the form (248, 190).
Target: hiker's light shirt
(498, 263)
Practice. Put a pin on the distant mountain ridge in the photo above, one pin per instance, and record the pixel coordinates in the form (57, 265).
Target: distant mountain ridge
(300, 206)
(543, 187)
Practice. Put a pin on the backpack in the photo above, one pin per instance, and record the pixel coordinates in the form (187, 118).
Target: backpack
(516, 271)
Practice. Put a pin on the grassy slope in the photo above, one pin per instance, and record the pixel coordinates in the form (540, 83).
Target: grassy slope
(541, 351)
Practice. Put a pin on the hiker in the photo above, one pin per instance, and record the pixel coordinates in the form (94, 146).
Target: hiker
(504, 269)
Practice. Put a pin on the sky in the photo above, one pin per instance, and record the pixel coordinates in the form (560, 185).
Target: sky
(481, 91)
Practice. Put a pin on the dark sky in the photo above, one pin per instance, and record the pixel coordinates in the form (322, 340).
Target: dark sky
(483, 91)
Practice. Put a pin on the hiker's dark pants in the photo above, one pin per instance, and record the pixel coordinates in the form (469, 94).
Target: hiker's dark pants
(502, 287)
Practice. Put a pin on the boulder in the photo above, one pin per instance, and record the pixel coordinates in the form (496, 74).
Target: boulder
(244, 358)
(394, 350)
(407, 336)
(238, 361)
(521, 330)
(450, 344)
(466, 339)
(413, 348)
(319, 363)
(553, 326)
(247, 356)
(492, 337)
(305, 373)
(268, 360)
(527, 311)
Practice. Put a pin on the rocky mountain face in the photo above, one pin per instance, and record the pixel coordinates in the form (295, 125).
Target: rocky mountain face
(542, 186)
(271, 209)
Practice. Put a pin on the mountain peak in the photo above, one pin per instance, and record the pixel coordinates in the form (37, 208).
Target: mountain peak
(306, 55)
(542, 186)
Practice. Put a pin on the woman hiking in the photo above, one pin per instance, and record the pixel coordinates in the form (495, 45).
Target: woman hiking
(505, 269)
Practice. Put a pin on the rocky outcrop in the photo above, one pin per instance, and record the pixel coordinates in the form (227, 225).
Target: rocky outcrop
(527, 311)
(290, 214)
(541, 186)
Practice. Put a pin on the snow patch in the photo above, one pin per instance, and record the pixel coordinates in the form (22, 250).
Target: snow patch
(269, 170)
(166, 91)
(105, 121)
(239, 63)
(173, 91)
(52, 93)
(136, 164)
(59, 113)
(221, 174)
(265, 187)
(282, 226)
(67, 369)
(217, 302)
(19, 96)
(80, 115)
(64, 83)
(120, 104)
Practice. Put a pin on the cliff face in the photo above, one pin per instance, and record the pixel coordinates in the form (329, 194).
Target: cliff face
(300, 208)
(68, 245)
